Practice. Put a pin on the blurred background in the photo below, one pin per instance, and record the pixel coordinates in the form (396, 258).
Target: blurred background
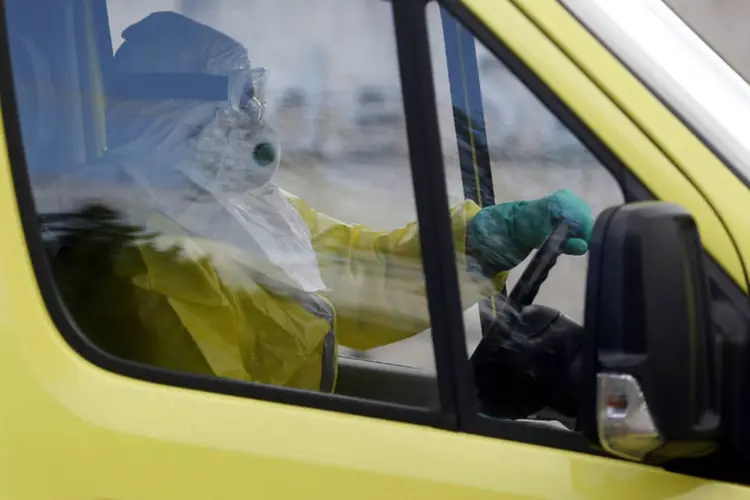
(334, 97)
(723, 25)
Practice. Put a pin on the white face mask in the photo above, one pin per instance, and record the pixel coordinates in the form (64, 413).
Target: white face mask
(233, 164)
(233, 154)
(221, 190)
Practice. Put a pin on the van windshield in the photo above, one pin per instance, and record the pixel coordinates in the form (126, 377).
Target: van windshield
(679, 67)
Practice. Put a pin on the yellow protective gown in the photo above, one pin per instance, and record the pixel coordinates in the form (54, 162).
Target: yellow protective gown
(166, 308)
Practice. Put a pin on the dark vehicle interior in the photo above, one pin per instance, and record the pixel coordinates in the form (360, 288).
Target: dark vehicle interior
(44, 57)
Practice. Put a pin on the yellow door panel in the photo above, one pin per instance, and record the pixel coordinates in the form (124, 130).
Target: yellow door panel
(667, 178)
(727, 194)
(624, 137)
(72, 430)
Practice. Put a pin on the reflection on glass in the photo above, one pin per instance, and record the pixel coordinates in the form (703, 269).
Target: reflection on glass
(241, 206)
(529, 181)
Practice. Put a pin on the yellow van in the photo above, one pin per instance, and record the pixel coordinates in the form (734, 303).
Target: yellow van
(391, 112)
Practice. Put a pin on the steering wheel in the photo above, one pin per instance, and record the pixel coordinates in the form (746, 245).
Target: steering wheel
(527, 359)
(527, 362)
(527, 287)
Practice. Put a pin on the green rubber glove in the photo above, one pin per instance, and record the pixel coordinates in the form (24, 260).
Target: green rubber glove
(502, 236)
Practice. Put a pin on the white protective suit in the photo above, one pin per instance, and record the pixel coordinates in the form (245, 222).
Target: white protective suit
(261, 287)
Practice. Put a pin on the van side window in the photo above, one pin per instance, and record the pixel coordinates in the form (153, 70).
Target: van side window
(526, 151)
(226, 203)
(501, 145)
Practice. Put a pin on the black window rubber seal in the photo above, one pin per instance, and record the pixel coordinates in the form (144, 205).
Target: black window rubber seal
(633, 190)
(437, 418)
(711, 147)
(432, 204)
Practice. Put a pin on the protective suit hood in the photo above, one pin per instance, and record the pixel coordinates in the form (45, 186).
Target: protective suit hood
(205, 166)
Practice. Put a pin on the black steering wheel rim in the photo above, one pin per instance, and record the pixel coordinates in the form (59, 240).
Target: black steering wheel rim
(545, 258)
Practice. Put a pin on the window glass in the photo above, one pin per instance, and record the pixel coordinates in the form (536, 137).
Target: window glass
(500, 141)
(224, 189)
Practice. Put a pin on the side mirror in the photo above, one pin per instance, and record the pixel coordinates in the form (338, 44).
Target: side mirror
(650, 382)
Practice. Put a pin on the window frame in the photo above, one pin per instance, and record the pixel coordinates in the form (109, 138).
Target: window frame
(416, 86)
(665, 94)
(470, 420)
(457, 410)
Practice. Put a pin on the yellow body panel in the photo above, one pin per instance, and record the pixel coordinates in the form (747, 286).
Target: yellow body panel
(72, 430)
(729, 196)
(623, 136)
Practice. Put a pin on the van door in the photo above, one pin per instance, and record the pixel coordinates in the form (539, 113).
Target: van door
(543, 123)
(99, 420)
(100, 424)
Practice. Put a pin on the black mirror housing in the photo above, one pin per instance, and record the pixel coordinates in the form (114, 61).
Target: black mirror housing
(650, 382)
